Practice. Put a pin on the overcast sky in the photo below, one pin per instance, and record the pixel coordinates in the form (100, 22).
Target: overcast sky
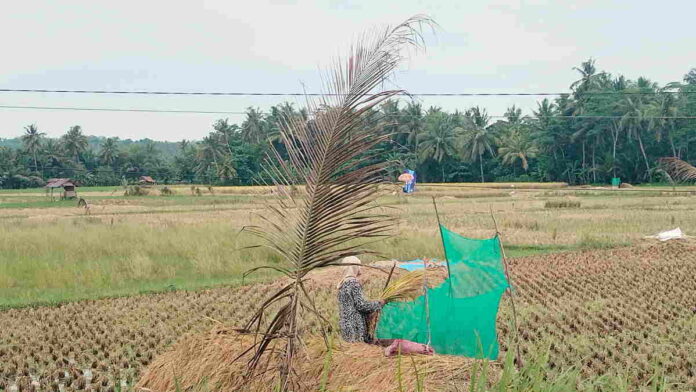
(276, 46)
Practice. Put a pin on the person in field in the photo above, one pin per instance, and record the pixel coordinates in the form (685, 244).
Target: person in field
(354, 309)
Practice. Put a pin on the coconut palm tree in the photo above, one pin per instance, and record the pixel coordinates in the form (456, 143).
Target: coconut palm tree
(513, 116)
(224, 131)
(662, 110)
(634, 122)
(208, 152)
(412, 123)
(440, 140)
(270, 130)
(333, 215)
(478, 137)
(32, 142)
(226, 170)
(253, 126)
(109, 151)
(389, 119)
(51, 152)
(517, 145)
(589, 78)
(74, 142)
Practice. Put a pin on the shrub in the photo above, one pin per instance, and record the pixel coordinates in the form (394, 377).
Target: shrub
(195, 191)
(166, 191)
(135, 190)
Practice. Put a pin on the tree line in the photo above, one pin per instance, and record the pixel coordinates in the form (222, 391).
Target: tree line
(606, 126)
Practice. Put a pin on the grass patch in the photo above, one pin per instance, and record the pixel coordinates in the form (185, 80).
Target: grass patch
(562, 204)
(77, 259)
(50, 251)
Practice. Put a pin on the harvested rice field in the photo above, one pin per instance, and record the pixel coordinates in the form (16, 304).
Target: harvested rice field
(592, 295)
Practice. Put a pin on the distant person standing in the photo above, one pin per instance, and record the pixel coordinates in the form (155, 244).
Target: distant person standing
(409, 179)
(354, 310)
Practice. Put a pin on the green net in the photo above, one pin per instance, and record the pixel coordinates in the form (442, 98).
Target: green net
(461, 312)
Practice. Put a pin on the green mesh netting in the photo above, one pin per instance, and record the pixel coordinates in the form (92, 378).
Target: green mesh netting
(462, 311)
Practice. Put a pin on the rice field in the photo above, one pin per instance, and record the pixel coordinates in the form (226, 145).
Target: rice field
(91, 299)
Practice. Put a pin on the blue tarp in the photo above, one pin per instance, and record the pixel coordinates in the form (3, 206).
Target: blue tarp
(416, 264)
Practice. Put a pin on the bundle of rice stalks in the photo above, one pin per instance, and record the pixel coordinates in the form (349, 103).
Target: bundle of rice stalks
(411, 285)
(407, 287)
(206, 362)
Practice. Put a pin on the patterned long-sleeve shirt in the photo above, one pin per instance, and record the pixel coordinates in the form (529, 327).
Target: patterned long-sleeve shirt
(354, 311)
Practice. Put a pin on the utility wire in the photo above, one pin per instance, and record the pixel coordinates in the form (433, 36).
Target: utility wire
(285, 94)
(138, 110)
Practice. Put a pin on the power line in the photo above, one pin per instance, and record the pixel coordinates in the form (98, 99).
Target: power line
(288, 94)
(174, 111)
(117, 109)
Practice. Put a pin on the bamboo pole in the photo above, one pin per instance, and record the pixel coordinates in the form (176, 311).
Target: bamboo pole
(427, 304)
(442, 239)
(509, 289)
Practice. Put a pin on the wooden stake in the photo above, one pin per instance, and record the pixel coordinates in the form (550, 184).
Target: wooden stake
(509, 289)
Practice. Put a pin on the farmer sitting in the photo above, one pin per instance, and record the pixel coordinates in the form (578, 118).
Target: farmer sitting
(354, 309)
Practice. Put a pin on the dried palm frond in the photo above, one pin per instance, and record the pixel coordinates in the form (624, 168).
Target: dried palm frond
(411, 285)
(677, 169)
(331, 164)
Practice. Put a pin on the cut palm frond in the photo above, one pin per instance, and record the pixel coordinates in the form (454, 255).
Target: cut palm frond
(327, 174)
(677, 169)
(412, 285)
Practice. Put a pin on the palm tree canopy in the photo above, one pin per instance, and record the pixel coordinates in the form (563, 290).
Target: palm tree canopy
(440, 138)
(333, 214)
(74, 142)
(253, 126)
(412, 121)
(478, 136)
(109, 151)
(32, 138)
(517, 145)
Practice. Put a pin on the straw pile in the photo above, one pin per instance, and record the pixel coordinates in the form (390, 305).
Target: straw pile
(411, 285)
(205, 362)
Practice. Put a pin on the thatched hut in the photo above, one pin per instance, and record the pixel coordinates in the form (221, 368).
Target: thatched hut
(147, 181)
(69, 187)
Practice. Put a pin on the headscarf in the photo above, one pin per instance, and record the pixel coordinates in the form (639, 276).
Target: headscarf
(350, 271)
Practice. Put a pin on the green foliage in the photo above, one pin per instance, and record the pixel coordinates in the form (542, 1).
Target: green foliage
(606, 126)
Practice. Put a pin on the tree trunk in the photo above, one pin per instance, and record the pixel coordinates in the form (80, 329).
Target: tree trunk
(584, 173)
(615, 136)
(645, 157)
(481, 167)
(594, 162)
(442, 167)
(671, 142)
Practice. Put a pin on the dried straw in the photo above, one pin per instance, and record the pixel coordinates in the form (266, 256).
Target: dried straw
(206, 362)
(411, 285)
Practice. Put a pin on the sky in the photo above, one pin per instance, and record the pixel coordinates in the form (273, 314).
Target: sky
(282, 45)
